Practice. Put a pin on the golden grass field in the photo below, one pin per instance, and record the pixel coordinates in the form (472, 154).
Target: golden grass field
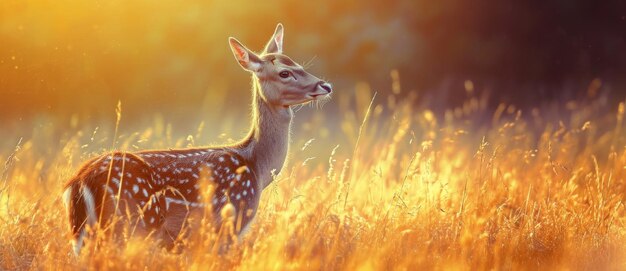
(392, 187)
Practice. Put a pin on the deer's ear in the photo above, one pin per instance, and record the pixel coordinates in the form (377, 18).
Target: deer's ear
(247, 59)
(275, 45)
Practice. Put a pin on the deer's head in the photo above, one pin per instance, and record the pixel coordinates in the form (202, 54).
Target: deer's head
(282, 81)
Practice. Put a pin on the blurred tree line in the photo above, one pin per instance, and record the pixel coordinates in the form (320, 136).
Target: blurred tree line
(71, 56)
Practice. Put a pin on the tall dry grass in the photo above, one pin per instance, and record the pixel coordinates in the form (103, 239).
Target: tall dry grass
(371, 184)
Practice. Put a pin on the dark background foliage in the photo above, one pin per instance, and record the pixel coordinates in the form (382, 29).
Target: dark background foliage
(81, 57)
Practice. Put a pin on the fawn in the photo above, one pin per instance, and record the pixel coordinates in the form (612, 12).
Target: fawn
(158, 190)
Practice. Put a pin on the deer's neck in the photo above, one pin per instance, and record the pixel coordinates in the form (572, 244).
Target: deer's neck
(267, 143)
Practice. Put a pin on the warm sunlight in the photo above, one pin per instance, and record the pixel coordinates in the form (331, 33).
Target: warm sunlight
(386, 135)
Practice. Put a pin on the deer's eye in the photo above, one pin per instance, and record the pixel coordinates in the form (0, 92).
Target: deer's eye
(284, 74)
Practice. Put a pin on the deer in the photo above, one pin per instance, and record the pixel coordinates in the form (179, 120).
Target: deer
(159, 190)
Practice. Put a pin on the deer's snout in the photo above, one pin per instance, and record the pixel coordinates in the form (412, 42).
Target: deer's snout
(325, 86)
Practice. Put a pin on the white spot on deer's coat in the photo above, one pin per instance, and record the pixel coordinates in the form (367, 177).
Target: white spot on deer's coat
(110, 190)
(248, 183)
(195, 176)
(221, 158)
(67, 196)
(90, 204)
(238, 196)
(152, 220)
(135, 189)
(145, 193)
(78, 243)
(116, 181)
(245, 192)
